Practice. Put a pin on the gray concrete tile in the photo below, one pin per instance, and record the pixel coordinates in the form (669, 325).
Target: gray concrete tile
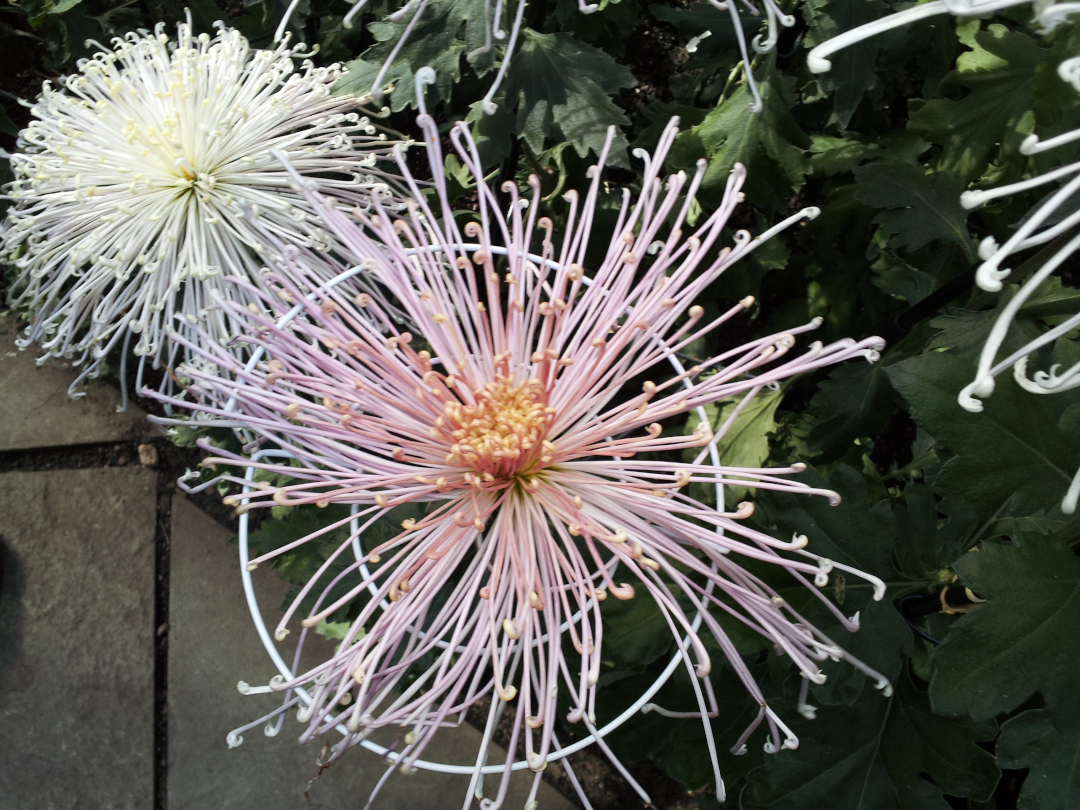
(35, 410)
(77, 639)
(212, 646)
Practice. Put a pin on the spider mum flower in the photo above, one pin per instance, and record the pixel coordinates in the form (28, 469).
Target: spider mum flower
(130, 181)
(515, 419)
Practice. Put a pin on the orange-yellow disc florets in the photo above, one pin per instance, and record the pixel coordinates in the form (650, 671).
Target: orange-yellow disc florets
(504, 432)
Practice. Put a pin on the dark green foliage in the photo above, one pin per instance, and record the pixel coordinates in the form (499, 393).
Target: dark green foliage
(1023, 640)
(1049, 744)
(918, 208)
(878, 754)
(561, 90)
(998, 74)
(1019, 448)
(769, 144)
(300, 564)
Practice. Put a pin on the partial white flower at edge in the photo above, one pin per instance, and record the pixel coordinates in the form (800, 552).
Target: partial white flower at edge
(137, 179)
(1053, 217)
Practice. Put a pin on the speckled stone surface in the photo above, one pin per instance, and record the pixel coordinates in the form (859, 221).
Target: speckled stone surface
(36, 411)
(212, 646)
(76, 639)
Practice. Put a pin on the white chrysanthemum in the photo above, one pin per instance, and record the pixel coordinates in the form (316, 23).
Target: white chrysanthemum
(133, 181)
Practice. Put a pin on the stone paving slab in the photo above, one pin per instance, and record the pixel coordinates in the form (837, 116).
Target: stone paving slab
(77, 639)
(212, 646)
(35, 410)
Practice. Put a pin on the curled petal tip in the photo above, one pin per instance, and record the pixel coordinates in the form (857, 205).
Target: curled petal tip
(1030, 145)
(987, 248)
(816, 63)
(968, 402)
(1069, 503)
(879, 589)
(973, 198)
(989, 277)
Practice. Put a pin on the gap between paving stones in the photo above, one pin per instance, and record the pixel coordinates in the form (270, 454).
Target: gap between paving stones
(170, 462)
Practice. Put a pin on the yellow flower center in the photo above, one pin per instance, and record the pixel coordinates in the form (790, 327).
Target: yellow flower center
(504, 433)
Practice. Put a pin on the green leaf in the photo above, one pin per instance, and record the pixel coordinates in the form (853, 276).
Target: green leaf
(1023, 640)
(854, 68)
(40, 9)
(678, 746)
(61, 6)
(561, 90)
(494, 134)
(1035, 740)
(902, 280)
(448, 30)
(770, 143)
(927, 543)
(659, 114)
(917, 208)
(301, 563)
(746, 442)
(856, 401)
(635, 633)
(831, 156)
(334, 630)
(964, 331)
(999, 74)
(683, 755)
(879, 754)
(1020, 446)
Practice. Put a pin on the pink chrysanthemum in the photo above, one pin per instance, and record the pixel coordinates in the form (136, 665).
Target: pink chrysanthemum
(513, 409)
